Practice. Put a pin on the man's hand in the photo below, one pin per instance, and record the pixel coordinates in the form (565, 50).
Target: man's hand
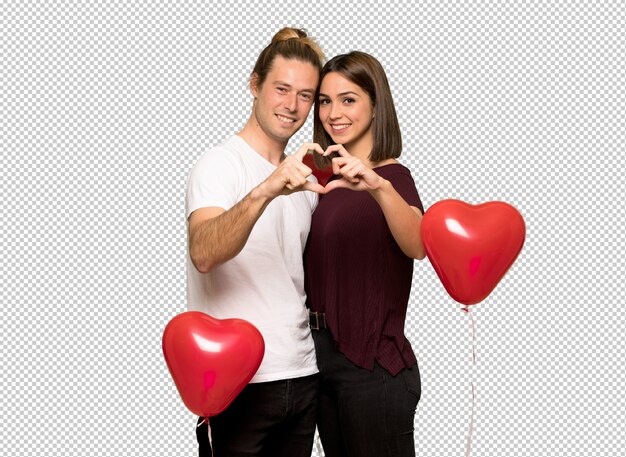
(291, 175)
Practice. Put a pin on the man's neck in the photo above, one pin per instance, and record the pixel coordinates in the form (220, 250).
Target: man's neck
(268, 148)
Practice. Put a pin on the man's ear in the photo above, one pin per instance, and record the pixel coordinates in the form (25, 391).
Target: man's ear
(254, 85)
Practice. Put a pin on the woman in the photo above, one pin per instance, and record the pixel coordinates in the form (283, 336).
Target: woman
(365, 233)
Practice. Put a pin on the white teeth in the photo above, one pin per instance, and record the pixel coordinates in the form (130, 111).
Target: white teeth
(285, 119)
(340, 126)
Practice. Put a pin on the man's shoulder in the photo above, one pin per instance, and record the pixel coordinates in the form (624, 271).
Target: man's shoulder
(229, 145)
(226, 153)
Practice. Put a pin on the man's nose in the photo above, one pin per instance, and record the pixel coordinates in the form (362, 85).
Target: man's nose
(291, 102)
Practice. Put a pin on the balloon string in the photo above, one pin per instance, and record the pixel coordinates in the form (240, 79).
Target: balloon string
(318, 444)
(210, 436)
(470, 432)
(208, 423)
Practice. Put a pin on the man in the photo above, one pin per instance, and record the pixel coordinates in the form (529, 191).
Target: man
(249, 211)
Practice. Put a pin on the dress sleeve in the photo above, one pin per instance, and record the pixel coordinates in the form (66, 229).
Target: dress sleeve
(403, 183)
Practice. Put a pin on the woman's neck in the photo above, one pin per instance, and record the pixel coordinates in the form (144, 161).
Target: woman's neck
(362, 151)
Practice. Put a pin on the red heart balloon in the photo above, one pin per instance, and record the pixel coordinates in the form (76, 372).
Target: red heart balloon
(471, 247)
(211, 360)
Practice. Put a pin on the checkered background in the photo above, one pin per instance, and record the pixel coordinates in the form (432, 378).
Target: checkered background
(105, 106)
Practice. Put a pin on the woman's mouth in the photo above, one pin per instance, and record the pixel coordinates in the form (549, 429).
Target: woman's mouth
(339, 128)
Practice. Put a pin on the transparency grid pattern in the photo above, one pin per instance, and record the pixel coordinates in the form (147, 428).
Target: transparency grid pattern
(105, 106)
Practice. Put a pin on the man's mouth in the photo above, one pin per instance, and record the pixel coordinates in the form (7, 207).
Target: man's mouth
(288, 120)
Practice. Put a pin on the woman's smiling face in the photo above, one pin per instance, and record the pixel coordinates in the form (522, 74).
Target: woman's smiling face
(346, 112)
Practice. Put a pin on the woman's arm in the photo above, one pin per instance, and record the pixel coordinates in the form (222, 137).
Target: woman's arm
(403, 220)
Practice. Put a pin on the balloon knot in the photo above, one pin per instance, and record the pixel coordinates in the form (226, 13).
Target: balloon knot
(205, 420)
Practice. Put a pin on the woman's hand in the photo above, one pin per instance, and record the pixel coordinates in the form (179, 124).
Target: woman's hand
(403, 220)
(355, 175)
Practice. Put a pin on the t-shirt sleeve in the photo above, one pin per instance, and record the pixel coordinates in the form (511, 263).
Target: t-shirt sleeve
(403, 183)
(214, 180)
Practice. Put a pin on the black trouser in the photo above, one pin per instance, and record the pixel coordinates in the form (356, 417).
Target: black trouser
(364, 413)
(268, 419)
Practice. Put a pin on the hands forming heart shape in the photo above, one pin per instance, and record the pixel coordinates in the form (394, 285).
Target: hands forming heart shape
(355, 174)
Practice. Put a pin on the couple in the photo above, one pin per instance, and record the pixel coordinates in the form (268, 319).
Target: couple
(343, 363)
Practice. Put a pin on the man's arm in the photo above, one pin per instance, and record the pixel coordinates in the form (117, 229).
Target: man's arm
(217, 235)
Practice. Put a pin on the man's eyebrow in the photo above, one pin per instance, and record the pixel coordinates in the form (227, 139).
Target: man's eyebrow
(283, 83)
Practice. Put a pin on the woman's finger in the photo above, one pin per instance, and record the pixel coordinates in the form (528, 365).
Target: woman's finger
(338, 163)
(338, 148)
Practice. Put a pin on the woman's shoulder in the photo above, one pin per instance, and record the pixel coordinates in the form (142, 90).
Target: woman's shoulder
(391, 167)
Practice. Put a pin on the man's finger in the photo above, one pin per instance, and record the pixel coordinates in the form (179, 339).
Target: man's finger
(293, 166)
(306, 147)
(314, 187)
(304, 169)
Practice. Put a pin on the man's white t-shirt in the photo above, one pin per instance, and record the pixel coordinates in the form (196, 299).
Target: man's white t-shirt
(264, 283)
